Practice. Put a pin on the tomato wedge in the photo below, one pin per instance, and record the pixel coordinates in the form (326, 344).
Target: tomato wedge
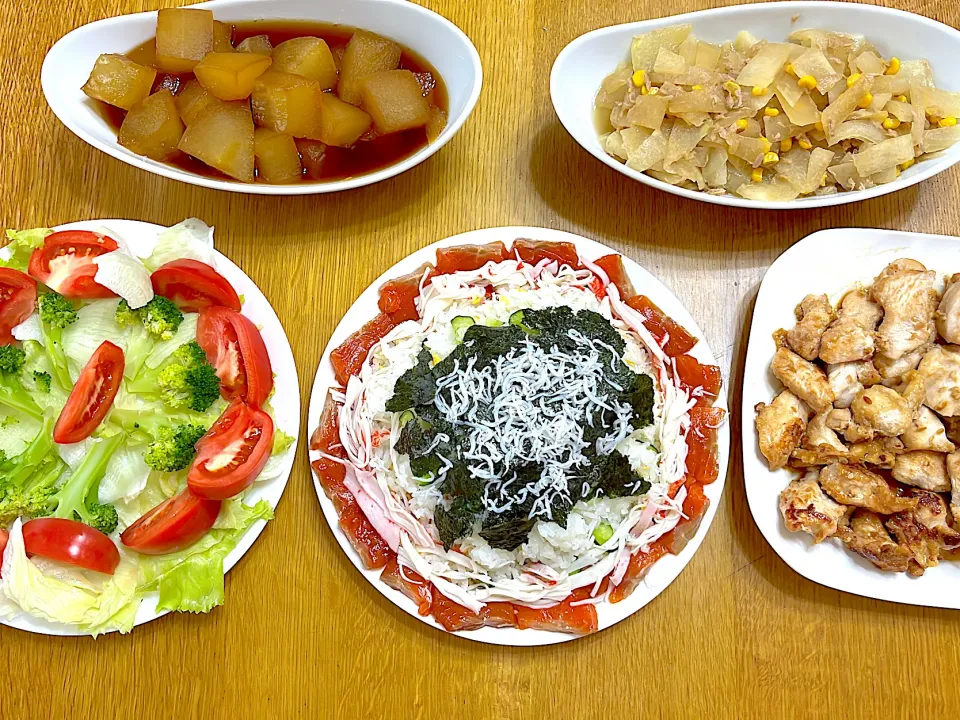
(469, 257)
(232, 454)
(18, 299)
(671, 335)
(234, 347)
(172, 525)
(65, 263)
(92, 396)
(398, 297)
(701, 381)
(193, 285)
(348, 357)
(71, 542)
(533, 251)
(612, 265)
(4, 536)
(702, 466)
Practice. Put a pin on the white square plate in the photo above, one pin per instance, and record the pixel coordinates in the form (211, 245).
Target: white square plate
(831, 262)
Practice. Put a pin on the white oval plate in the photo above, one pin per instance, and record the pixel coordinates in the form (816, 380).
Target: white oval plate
(831, 262)
(665, 570)
(440, 42)
(257, 308)
(582, 65)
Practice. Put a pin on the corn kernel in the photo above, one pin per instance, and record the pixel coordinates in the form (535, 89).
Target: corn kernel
(758, 91)
(771, 112)
(907, 165)
(654, 90)
(638, 78)
(901, 98)
(436, 358)
(804, 144)
(770, 158)
(757, 175)
(766, 143)
(742, 124)
(894, 67)
(807, 82)
(697, 87)
(789, 70)
(891, 123)
(823, 180)
(731, 87)
(818, 125)
(643, 90)
(786, 144)
(853, 79)
(947, 122)
(865, 101)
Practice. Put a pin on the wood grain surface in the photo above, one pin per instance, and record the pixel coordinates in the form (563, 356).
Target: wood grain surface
(302, 634)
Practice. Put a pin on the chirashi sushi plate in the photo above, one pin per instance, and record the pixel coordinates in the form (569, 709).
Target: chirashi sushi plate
(666, 566)
(285, 403)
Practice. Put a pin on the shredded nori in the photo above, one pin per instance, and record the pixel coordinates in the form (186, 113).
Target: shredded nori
(461, 512)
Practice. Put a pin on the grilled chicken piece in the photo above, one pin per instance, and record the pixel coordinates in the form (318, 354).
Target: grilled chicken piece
(940, 369)
(948, 312)
(922, 469)
(803, 379)
(892, 370)
(927, 433)
(849, 378)
(851, 336)
(953, 472)
(866, 536)
(887, 411)
(841, 420)
(814, 315)
(855, 485)
(780, 426)
(880, 452)
(924, 530)
(822, 441)
(905, 292)
(805, 507)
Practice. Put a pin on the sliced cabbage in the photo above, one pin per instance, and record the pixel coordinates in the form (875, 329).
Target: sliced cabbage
(163, 349)
(683, 139)
(708, 55)
(649, 153)
(29, 329)
(125, 476)
(648, 111)
(888, 154)
(765, 65)
(126, 276)
(20, 245)
(669, 63)
(940, 138)
(840, 109)
(645, 48)
(96, 322)
(814, 63)
(191, 239)
(864, 130)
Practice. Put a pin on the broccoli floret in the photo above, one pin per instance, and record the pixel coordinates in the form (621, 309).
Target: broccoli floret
(185, 381)
(125, 316)
(56, 313)
(77, 499)
(42, 380)
(12, 393)
(28, 480)
(159, 319)
(174, 449)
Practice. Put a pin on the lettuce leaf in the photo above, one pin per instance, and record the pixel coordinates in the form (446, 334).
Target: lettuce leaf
(192, 580)
(191, 239)
(22, 243)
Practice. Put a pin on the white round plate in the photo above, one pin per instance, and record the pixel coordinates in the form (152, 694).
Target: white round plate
(665, 570)
(830, 262)
(286, 406)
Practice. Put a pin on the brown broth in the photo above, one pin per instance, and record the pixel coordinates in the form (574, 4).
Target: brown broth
(365, 157)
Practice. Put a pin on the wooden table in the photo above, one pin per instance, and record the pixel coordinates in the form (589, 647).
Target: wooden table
(302, 633)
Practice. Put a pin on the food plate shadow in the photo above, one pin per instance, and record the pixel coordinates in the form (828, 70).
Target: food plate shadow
(595, 198)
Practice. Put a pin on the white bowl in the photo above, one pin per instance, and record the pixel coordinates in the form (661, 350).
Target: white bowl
(437, 40)
(582, 65)
(829, 262)
(665, 570)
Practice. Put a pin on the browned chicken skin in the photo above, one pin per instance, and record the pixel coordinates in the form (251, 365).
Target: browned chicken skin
(866, 536)
(857, 486)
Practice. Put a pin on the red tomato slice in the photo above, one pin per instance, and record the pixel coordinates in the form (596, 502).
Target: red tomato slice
(454, 617)
(398, 296)
(18, 299)
(694, 507)
(71, 542)
(172, 525)
(410, 584)
(469, 257)
(701, 381)
(348, 358)
(640, 563)
(671, 336)
(234, 347)
(575, 619)
(193, 285)
(65, 263)
(612, 265)
(4, 536)
(533, 251)
(702, 466)
(92, 396)
(232, 454)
